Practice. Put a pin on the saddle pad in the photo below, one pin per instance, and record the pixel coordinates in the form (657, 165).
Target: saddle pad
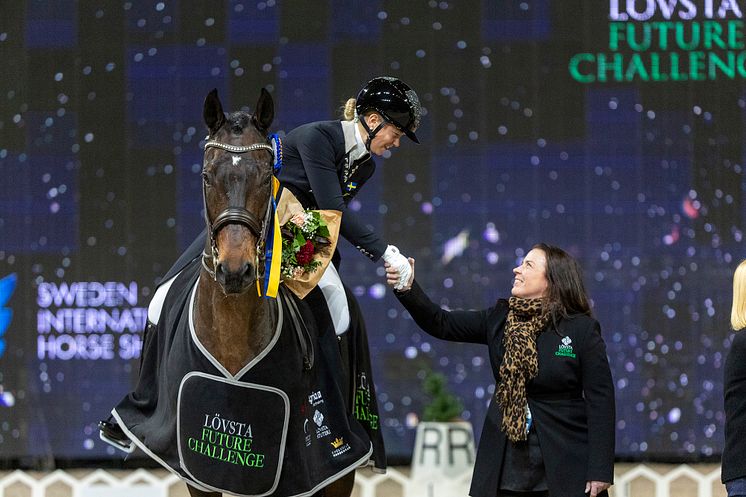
(232, 444)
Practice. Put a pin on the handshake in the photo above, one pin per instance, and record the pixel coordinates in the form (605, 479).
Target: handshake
(399, 269)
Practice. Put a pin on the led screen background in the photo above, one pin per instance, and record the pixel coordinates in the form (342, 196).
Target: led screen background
(636, 170)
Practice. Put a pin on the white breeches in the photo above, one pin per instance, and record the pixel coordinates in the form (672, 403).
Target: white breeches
(336, 300)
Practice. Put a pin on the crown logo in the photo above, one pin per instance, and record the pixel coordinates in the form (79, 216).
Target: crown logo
(337, 442)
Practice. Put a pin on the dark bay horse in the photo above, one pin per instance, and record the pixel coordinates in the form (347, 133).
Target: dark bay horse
(229, 396)
(231, 320)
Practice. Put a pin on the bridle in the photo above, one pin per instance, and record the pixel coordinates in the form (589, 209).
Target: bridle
(236, 215)
(241, 215)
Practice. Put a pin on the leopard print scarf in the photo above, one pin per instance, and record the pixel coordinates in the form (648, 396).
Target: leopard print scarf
(520, 363)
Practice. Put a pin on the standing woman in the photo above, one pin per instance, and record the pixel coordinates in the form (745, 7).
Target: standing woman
(549, 432)
(734, 453)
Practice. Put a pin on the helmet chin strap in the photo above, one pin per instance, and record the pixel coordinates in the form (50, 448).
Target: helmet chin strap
(371, 134)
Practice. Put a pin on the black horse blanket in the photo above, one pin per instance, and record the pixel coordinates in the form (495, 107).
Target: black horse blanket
(273, 429)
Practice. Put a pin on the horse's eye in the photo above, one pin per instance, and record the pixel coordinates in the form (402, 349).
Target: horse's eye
(205, 178)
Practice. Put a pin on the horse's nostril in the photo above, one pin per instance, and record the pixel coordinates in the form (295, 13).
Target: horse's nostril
(248, 272)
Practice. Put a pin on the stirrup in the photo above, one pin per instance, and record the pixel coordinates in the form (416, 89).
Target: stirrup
(112, 434)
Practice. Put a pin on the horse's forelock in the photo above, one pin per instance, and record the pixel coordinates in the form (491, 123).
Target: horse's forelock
(239, 121)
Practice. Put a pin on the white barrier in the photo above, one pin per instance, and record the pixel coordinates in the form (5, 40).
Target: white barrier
(99, 483)
(663, 483)
(631, 481)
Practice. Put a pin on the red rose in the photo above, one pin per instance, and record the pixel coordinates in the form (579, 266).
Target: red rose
(305, 253)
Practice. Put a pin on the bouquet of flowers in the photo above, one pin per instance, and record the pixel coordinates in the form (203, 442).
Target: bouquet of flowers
(308, 242)
(305, 234)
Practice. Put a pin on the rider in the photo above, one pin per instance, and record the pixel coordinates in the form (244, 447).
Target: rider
(326, 163)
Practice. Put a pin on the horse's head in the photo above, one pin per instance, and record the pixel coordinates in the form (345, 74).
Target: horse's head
(236, 185)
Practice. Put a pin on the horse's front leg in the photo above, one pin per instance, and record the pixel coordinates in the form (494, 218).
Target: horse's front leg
(340, 488)
(194, 492)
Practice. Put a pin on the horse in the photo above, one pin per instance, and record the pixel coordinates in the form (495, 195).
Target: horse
(236, 192)
(232, 322)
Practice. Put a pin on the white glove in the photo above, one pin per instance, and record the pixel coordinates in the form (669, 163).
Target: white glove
(396, 260)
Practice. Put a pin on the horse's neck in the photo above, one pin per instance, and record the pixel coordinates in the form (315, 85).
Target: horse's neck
(234, 329)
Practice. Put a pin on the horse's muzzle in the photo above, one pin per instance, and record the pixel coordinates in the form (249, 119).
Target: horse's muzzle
(237, 281)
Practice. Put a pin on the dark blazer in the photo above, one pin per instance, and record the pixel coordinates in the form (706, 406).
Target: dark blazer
(571, 399)
(317, 170)
(734, 452)
(315, 167)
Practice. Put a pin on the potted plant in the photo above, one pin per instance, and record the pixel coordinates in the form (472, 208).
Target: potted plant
(444, 442)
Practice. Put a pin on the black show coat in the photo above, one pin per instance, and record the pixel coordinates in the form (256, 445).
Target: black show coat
(571, 399)
(317, 169)
(734, 452)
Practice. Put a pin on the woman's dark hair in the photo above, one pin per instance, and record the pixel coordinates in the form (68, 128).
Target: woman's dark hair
(566, 293)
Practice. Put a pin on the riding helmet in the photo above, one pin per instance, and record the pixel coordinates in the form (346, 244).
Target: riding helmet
(396, 102)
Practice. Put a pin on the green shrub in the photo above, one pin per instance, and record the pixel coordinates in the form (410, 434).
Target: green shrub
(443, 406)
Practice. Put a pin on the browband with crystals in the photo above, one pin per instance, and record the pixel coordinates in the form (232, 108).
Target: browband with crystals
(240, 149)
(269, 230)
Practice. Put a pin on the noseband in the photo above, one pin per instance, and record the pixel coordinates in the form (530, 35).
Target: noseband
(236, 215)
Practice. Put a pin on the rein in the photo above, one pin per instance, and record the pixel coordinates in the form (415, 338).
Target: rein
(238, 215)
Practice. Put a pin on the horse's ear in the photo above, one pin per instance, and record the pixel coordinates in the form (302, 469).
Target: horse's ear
(265, 111)
(213, 112)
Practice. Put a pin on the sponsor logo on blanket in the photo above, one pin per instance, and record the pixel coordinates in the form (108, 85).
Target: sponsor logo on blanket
(362, 411)
(315, 398)
(321, 429)
(228, 441)
(305, 431)
(340, 447)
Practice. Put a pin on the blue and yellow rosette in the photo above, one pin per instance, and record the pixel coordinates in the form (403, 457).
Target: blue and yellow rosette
(270, 284)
